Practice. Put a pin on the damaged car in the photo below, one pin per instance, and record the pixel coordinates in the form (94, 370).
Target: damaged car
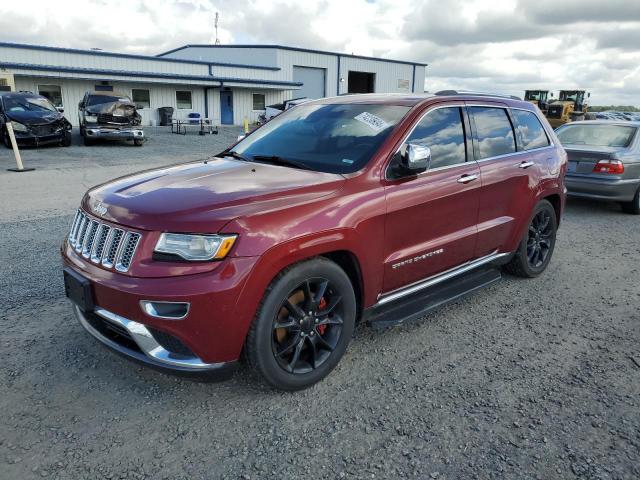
(35, 120)
(109, 115)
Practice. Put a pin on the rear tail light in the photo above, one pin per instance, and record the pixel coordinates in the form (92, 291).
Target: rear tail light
(609, 166)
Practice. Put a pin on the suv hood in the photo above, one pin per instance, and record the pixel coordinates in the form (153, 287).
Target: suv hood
(203, 197)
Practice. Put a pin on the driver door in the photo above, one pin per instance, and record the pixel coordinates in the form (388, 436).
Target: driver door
(431, 220)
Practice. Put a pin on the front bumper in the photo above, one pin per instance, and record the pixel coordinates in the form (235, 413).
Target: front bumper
(28, 139)
(614, 189)
(212, 331)
(135, 341)
(126, 133)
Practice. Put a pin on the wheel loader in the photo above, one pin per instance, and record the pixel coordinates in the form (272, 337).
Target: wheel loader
(540, 98)
(570, 106)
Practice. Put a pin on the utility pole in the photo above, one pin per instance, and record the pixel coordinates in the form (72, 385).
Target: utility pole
(217, 42)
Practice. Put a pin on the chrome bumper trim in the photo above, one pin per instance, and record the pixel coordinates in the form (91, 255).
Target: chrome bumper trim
(152, 349)
(100, 132)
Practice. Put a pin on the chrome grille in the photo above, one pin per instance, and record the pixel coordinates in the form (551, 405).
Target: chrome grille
(129, 245)
(99, 243)
(110, 246)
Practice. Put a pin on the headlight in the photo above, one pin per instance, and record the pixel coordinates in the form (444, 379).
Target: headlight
(195, 247)
(91, 118)
(18, 127)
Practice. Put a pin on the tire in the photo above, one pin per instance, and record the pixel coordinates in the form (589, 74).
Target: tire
(536, 248)
(6, 140)
(632, 207)
(66, 142)
(304, 348)
(138, 142)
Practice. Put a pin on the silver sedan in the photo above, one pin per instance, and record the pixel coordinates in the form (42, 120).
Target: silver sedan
(604, 161)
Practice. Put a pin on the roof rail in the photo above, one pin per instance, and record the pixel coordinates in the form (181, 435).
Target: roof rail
(444, 93)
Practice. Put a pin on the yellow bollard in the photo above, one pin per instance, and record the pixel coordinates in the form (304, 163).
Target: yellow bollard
(16, 152)
(246, 125)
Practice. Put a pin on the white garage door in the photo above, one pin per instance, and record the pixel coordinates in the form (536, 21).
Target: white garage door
(313, 80)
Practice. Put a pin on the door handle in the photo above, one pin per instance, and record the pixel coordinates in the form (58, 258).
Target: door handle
(526, 165)
(467, 178)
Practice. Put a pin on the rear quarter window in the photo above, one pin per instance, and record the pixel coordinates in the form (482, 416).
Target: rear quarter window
(530, 130)
(494, 133)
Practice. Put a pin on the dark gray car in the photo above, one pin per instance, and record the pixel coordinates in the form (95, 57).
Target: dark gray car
(604, 161)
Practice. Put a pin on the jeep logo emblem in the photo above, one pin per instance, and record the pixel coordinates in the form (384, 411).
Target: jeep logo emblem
(99, 208)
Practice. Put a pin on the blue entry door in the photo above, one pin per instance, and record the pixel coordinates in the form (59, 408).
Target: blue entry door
(226, 107)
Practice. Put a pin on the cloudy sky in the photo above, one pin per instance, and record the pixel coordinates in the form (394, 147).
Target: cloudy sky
(493, 45)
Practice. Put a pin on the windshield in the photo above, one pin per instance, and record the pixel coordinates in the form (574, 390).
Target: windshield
(596, 135)
(27, 104)
(571, 96)
(100, 99)
(536, 95)
(339, 138)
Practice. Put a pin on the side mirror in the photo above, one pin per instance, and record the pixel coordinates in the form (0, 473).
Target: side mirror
(60, 109)
(415, 158)
(81, 105)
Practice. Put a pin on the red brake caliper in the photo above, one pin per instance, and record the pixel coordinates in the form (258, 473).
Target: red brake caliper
(321, 305)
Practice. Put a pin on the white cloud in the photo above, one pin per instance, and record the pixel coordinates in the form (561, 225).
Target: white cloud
(507, 45)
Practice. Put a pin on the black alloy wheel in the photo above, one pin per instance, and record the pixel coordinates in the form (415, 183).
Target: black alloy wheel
(308, 326)
(539, 239)
(303, 325)
(536, 248)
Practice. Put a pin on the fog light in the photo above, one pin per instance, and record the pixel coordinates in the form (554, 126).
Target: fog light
(165, 310)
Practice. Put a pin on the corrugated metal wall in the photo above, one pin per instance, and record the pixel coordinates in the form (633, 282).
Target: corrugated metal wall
(389, 77)
(73, 91)
(88, 60)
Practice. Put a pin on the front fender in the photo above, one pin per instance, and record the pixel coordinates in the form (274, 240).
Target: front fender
(285, 254)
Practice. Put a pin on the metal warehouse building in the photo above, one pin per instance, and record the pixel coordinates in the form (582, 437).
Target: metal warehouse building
(225, 82)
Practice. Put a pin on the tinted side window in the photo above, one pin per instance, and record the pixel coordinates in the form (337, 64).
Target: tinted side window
(530, 130)
(442, 131)
(494, 132)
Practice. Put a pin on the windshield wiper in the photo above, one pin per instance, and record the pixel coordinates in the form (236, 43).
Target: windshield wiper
(236, 155)
(276, 160)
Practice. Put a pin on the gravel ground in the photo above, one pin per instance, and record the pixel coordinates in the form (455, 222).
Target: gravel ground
(525, 379)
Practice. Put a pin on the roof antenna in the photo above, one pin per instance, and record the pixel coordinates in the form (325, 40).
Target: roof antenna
(216, 25)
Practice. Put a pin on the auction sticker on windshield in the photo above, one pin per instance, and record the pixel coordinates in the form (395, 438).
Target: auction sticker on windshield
(374, 122)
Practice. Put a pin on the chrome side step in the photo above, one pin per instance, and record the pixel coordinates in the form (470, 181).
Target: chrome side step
(416, 306)
(439, 278)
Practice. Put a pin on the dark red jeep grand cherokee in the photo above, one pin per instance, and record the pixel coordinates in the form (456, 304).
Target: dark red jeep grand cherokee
(365, 207)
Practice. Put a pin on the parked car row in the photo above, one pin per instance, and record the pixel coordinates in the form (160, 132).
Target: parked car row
(611, 115)
(36, 121)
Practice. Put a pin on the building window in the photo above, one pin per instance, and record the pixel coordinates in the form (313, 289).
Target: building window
(53, 93)
(141, 98)
(258, 101)
(183, 99)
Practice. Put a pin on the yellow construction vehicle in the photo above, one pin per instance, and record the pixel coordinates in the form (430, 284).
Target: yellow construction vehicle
(571, 105)
(539, 98)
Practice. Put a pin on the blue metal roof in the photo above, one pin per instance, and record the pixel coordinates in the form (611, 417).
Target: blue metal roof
(100, 53)
(295, 49)
(126, 73)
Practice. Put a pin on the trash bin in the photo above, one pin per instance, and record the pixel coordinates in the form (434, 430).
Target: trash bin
(165, 114)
